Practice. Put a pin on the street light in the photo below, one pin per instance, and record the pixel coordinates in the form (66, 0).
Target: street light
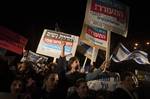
(147, 43)
(135, 47)
(136, 44)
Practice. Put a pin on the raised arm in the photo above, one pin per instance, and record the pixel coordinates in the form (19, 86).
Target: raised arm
(62, 54)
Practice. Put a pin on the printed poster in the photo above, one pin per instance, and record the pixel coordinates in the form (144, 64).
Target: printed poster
(50, 44)
(95, 37)
(110, 15)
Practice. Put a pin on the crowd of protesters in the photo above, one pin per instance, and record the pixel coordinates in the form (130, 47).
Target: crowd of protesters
(63, 80)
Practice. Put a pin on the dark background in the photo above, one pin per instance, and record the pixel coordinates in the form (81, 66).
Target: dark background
(31, 18)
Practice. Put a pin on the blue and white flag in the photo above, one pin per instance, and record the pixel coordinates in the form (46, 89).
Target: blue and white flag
(123, 54)
(140, 57)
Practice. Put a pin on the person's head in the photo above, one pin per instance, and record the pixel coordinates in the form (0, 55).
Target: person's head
(52, 67)
(23, 66)
(16, 86)
(51, 81)
(73, 63)
(81, 88)
(129, 80)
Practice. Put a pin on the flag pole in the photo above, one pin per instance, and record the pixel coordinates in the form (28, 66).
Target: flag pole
(54, 60)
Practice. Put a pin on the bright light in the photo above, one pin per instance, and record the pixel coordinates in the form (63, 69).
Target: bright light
(136, 44)
(135, 47)
(147, 43)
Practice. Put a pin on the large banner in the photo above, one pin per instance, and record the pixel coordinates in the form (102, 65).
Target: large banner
(50, 44)
(93, 36)
(105, 82)
(111, 15)
(12, 41)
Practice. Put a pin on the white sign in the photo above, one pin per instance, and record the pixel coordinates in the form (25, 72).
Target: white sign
(111, 15)
(95, 37)
(109, 85)
(50, 44)
(105, 82)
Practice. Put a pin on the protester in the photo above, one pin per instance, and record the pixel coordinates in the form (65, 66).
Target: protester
(17, 89)
(126, 90)
(73, 69)
(93, 75)
(81, 91)
(51, 87)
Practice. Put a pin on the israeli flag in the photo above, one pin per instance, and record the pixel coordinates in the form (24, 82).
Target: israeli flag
(123, 54)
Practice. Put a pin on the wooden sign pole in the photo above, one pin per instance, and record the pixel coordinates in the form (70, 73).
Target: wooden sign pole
(92, 59)
(54, 60)
(84, 63)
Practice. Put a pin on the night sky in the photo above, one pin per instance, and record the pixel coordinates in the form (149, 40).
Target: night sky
(30, 18)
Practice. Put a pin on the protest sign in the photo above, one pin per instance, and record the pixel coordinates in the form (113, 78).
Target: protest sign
(50, 44)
